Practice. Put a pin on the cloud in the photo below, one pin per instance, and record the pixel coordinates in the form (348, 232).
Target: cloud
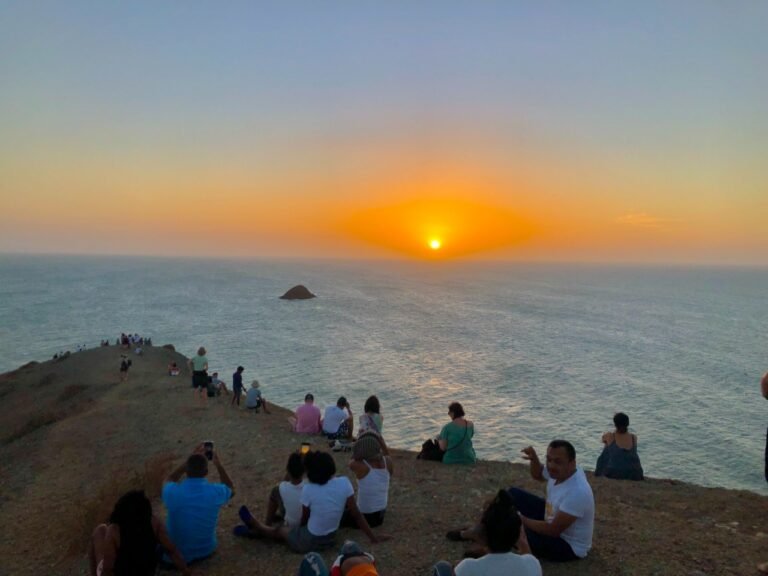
(642, 220)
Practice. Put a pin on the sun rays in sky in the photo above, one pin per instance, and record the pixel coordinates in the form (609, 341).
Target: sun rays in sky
(515, 131)
(438, 227)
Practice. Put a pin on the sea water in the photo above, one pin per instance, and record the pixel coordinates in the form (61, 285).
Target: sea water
(533, 352)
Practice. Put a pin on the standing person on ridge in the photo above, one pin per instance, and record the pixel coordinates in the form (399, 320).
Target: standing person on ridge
(763, 568)
(237, 386)
(199, 366)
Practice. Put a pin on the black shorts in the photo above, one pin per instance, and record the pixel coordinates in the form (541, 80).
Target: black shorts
(200, 379)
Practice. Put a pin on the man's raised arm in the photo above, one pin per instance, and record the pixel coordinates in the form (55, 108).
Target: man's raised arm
(225, 479)
(536, 467)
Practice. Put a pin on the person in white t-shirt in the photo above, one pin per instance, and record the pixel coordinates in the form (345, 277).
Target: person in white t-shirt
(558, 528)
(500, 530)
(284, 504)
(324, 498)
(338, 421)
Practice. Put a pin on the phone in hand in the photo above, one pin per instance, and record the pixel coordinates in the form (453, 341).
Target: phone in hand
(208, 446)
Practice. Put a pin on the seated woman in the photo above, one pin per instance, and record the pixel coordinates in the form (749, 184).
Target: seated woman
(373, 471)
(127, 546)
(456, 438)
(372, 418)
(619, 459)
(173, 369)
(372, 422)
(323, 499)
(500, 531)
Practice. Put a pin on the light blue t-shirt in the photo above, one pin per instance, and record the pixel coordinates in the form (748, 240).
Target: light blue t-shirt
(253, 398)
(193, 511)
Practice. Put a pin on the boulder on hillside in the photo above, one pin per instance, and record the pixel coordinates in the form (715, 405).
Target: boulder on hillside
(299, 292)
(170, 347)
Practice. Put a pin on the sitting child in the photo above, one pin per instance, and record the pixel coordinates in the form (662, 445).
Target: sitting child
(284, 504)
(173, 369)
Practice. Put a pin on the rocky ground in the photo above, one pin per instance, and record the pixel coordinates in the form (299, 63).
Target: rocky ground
(72, 439)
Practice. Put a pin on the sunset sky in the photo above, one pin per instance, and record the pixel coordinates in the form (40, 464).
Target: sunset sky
(575, 131)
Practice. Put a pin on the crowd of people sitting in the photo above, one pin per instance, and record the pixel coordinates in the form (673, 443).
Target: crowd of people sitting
(307, 507)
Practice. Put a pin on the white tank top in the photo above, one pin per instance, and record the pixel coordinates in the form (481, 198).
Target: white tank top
(373, 489)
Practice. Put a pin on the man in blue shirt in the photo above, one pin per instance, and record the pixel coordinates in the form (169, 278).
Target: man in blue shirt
(193, 504)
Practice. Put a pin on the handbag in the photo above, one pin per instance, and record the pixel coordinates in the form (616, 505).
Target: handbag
(430, 450)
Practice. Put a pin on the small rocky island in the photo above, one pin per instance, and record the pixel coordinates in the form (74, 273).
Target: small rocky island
(299, 292)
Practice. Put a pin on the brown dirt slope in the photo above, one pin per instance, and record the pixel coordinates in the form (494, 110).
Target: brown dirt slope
(72, 438)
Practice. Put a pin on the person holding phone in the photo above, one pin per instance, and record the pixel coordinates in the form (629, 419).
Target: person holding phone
(193, 503)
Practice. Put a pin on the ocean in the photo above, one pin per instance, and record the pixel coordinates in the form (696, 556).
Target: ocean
(532, 351)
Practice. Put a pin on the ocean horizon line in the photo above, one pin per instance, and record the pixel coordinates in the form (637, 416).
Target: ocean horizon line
(608, 264)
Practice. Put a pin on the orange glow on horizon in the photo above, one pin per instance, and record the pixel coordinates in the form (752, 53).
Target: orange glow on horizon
(453, 227)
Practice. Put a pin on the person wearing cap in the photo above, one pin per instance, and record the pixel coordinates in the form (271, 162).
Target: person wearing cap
(307, 418)
(373, 471)
(338, 422)
(254, 399)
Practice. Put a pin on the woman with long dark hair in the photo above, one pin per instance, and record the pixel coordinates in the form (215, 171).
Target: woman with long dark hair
(128, 545)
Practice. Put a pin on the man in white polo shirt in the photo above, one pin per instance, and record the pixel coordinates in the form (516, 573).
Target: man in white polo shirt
(560, 527)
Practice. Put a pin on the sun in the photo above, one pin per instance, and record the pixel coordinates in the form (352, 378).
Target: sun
(435, 244)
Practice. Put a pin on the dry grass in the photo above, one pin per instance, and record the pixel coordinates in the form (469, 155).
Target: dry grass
(96, 510)
(47, 380)
(35, 423)
(71, 391)
(156, 470)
